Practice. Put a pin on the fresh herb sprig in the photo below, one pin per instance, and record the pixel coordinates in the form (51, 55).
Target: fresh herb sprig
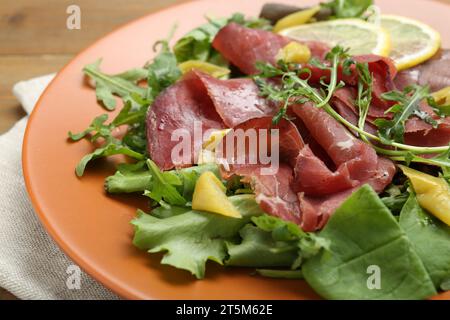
(407, 105)
(293, 88)
(365, 83)
(161, 73)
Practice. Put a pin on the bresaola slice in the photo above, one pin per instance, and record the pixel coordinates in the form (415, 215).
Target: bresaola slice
(199, 98)
(434, 73)
(417, 132)
(383, 71)
(318, 189)
(179, 107)
(235, 100)
(243, 47)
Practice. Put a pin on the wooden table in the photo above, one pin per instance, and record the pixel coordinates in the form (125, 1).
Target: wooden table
(34, 40)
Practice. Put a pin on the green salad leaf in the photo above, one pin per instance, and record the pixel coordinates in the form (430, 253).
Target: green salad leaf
(363, 235)
(164, 186)
(273, 242)
(430, 238)
(348, 8)
(106, 86)
(112, 148)
(408, 104)
(191, 238)
(130, 178)
(258, 249)
(163, 72)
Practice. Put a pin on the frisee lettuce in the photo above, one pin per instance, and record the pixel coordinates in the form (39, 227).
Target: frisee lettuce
(190, 238)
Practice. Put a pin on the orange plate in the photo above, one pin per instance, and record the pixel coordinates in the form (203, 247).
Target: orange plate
(93, 228)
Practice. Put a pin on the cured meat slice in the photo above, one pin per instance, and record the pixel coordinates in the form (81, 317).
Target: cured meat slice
(273, 192)
(383, 71)
(434, 73)
(180, 107)
(349, 154)
(243, 47)
(316, 210)
(199, 99)
(308, 191)
(417, 131)
(236, 100)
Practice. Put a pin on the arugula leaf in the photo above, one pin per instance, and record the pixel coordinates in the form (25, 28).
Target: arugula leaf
(130, 116)
(106, 86)
(98, 125)
(163, 72)
(430, 238)
(163, 187)
(348, 8)
(364, 233)
(408, 104)
(192, 238)
(109, 149)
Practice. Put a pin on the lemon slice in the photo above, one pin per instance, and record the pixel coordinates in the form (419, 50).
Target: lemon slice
(360, 36)
(413, 42)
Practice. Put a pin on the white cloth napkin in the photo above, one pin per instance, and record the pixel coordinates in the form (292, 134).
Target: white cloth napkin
(31, 265)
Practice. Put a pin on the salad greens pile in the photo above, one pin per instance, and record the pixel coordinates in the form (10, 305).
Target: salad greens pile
(409, 247)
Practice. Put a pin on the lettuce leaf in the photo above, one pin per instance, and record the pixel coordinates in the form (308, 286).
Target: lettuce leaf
(430, 238)
(363, 233)
(258, 249)
(190, 238)
(137, 178)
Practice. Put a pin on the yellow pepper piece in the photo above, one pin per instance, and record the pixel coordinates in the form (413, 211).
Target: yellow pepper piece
(205, 67)
(433, 194)
(209, 195)
(296, 18)
(207, 154)
(442, 97)
(294, 52)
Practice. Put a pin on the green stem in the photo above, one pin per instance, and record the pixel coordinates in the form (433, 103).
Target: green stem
(332, 84)
(318, 99)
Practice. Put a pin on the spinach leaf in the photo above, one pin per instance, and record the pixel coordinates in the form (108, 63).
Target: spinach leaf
(363, 233)
(430, 238)
(192, 238)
